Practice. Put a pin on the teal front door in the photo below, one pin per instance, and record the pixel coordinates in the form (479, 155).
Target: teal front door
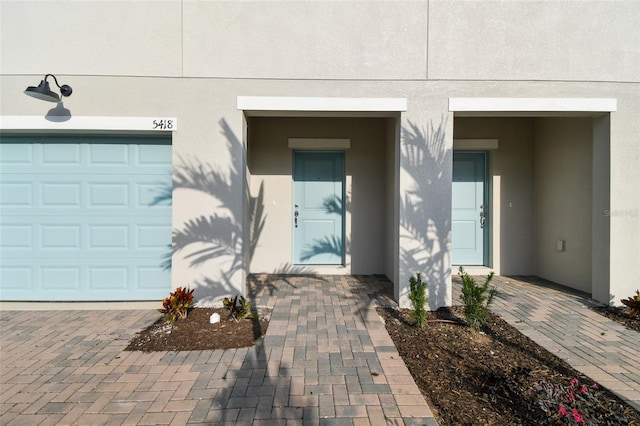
(318, 187)
(469, 209)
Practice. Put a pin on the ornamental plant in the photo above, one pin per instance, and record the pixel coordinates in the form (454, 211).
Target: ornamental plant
(633, 303)
(239, 308)
(573, 404)
(476, 299)
(418, 298)
(177, 304)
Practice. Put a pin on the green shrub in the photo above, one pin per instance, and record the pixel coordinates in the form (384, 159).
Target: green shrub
(238, 308)
(476, 299)
(177, 304)
(633, 303)
(418, 298)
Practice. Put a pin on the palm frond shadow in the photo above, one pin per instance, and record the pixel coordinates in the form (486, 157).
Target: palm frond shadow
(208, 236)
(331, 245)
(425, 217)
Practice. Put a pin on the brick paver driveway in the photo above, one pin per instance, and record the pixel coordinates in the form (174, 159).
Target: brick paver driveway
(326, 359)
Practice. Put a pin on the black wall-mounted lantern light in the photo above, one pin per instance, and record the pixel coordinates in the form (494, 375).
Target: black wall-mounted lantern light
(43, 92)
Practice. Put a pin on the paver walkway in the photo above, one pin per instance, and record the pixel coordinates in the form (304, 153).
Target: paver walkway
(560, 320)
(326, 359)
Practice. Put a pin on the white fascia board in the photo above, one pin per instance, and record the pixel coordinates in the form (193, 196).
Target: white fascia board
(533, 104)
(36, 122)
(278, 103)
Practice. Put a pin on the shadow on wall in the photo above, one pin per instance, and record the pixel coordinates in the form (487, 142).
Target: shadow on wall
(425, 211)
(426, 208)
(204, 238)
(425, 216)
(209, 237)
(334, 245)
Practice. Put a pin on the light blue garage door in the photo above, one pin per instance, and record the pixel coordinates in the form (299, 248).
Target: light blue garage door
(80, 218)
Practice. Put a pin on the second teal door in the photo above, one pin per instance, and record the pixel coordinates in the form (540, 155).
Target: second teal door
(318, 210)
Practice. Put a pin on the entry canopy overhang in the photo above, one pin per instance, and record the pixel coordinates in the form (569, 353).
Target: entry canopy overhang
(531, 107)
(281, 106)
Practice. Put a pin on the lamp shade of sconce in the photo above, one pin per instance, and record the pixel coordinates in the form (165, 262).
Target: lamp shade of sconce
(44, 92)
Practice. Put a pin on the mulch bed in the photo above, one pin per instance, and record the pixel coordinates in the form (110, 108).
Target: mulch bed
(494, 377)
(195, 333)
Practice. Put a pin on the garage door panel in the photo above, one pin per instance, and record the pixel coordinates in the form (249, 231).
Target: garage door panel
(108, 236)
(60, 277)
(152, 237)
(61, 154)
(60, 194)
(153, 155)
(149, 277)
(79, 220)
(109, 154)
(108, 277)
(67, 192)
(17, 193)
(16, 236)
(15, 278)
(61, 236)
(15, 155)
(115, 194)
(106, 158)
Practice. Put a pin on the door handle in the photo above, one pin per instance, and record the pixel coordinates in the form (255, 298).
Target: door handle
(482, 217)
(295, 218)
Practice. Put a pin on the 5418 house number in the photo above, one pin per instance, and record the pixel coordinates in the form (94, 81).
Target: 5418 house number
(163, 124)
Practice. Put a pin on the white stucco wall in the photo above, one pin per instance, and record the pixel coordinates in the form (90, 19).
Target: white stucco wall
(624, 203)
(91, 38)
(191, 60)
(534, 40)
(308, 40)
(563, 200)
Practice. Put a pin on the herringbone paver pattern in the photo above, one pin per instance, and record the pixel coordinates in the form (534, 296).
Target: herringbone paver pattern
(326, 359)
(560, 320)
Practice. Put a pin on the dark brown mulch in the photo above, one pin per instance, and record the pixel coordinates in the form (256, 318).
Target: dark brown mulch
(195, 333)
(620, 314)
(490, 377)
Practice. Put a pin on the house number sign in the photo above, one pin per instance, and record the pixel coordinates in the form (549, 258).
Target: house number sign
(167, 124)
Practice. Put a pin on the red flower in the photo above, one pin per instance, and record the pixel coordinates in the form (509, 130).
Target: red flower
(583, 389)
(574, 381)
(562, 411)
(577, 416)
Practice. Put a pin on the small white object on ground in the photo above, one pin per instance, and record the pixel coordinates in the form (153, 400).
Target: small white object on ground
(215, 317)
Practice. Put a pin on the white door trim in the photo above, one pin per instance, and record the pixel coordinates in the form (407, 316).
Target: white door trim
(319, 143)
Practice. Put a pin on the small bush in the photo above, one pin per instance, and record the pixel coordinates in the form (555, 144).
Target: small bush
(476, 299)
(177, 304)
(238, 308)
(633, 303)
(418, 298)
